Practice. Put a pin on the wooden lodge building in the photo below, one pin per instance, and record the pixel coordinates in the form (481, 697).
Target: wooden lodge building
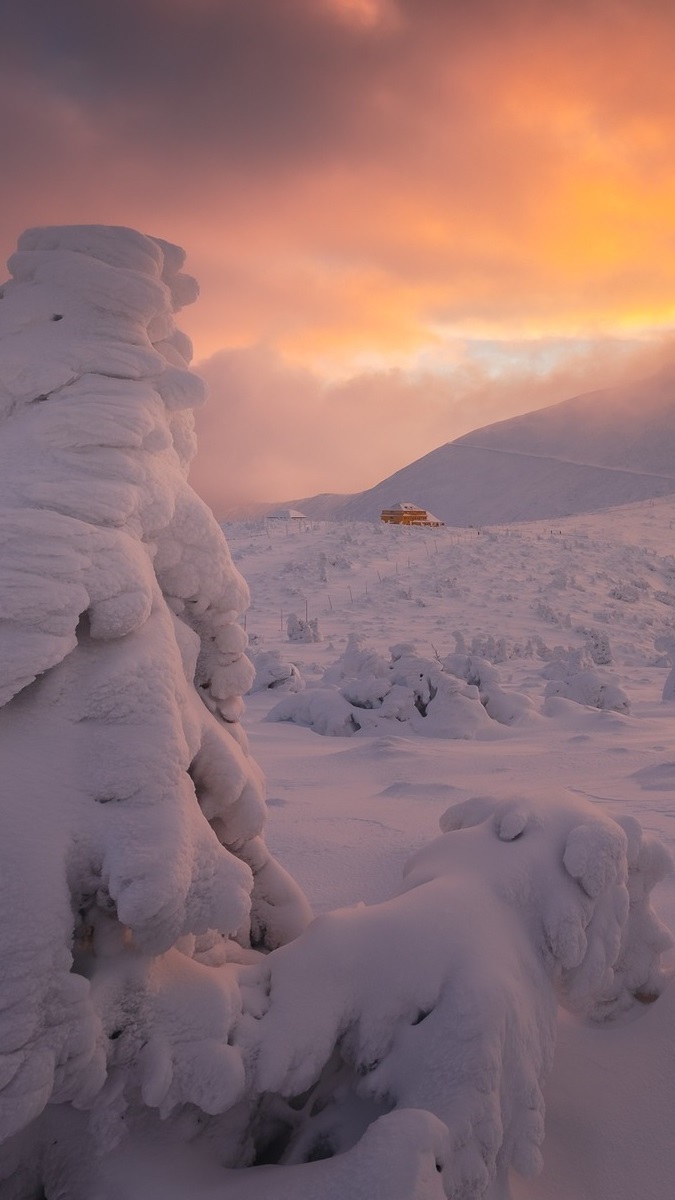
(408, 514)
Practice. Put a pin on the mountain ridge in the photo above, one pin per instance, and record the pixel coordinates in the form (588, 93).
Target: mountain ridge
(593, 451)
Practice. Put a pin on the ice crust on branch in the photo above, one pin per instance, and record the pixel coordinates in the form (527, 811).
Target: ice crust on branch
(133, 812)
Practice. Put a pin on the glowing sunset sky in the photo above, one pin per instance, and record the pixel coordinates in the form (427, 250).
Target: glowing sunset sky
(408, 217)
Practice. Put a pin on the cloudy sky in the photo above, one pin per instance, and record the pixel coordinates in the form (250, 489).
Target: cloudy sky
(409, 218)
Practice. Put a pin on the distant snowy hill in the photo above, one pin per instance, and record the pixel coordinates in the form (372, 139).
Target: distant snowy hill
(592, 452)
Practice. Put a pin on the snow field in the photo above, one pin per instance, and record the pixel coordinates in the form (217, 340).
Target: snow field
(346, 813)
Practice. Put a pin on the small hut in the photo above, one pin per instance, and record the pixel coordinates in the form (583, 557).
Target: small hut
(286, 514)
(405, 513)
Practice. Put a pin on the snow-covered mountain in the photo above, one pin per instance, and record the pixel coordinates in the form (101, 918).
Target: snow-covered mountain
(592, 452)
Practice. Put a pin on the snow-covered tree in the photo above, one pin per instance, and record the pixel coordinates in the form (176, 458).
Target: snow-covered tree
(132, 849)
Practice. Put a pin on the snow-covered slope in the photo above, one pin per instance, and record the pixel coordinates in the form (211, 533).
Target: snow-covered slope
(592, 452)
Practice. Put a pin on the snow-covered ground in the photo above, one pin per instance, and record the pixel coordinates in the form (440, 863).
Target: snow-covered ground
(347, 811)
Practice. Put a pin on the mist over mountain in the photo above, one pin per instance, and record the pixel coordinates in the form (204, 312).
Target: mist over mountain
(591, 452)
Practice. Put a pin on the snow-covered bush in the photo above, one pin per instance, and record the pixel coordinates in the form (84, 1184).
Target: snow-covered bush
(508, 708)
(359, 661)
(598, 647)
(498, 650)
(529, 900)
(455, 697)
(573, 675)
(666, 644)
(363, 691)
(273, 671)
(132, 850)
(299, 630)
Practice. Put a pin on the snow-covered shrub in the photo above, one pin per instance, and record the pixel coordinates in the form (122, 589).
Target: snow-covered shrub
(507, 708)
(495, 650)
(626, 592)
(529, 900)
(456, 697)
(572, 674)
(299, 630)
(322, 709)
(132, 850)
(501, 649)
(273, 671)
(359, 661)
(362, 691)
(666, 644)
(547, 613)
(598, 647)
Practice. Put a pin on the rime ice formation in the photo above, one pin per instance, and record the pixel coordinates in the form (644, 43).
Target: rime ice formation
(132, 842)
